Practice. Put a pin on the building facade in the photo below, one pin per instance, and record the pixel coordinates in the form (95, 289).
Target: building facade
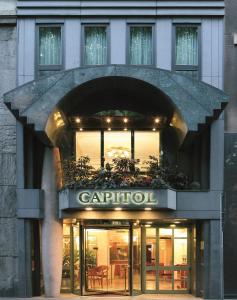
(112, 173)
(230, 262)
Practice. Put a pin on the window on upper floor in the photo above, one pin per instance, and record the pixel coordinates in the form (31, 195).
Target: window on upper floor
(49, 49)
(95, 45)
(140, 45)
(186, 50)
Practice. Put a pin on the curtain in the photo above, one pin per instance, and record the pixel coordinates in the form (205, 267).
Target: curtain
(95, 46)
(141, 45)
(186, 46)
(50, 46)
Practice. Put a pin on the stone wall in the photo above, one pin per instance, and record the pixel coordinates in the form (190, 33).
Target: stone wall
(8, 235)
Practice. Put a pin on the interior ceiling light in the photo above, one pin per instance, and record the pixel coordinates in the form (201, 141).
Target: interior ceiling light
(172, 225)
(108, 120)
(153, 129)
(109, 129)
(148, 208)
(125, 129)
(89, 208)
(125, 120)
(118, 208)
(81, 129)
(157, 120)
(78, 120)
(171, 125)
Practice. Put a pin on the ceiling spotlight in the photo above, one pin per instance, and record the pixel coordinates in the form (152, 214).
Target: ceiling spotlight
(108, 120)
(177, 222)
(147, 225)
(109, 129)
(118, 208)
(88, 208)
(125, 129)
(81, 129)
(157, 120)
(78, 120)
(172, 225)
(125, 120)
(153, 129)
(148, 208)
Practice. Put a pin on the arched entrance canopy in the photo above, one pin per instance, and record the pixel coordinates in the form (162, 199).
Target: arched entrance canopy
(193, 102)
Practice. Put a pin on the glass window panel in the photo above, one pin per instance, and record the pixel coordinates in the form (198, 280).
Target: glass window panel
(180, 252)
(165, 252)
(95, 45)
(181, 232)
(117, 144)
(181, 280)
(165, 279)
(88, 144)
(137, 259)
(186, 45)
(50, 46)
(151, 280)
(150, 247)
(141, 45)
(165, 232)
(66, 281)
(145, 144)
(76, 246)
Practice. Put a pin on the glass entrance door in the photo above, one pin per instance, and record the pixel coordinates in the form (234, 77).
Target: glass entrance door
(106, 260)
(167, 261)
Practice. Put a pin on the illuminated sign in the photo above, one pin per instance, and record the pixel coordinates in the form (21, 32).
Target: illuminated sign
(129, 199)
(116, 197)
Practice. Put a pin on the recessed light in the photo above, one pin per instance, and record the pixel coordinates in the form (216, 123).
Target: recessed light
(88, 208)
(171, 125)
(78, 120)
(81, 129)
(147, 225)
(108, 120)
(149, 222)
(177, 222)
(125, 120)
(118, 208)
(148, 208)
(172, 225)
(125, 129)
(153, 129)
(157, 120)
(109, 129)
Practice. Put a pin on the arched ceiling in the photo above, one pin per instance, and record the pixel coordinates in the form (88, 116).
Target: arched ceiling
(46, 102)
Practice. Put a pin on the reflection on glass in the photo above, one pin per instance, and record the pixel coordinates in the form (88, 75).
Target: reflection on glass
(95, 45)
(50, 45)
(181, 280)
(137, 258)
(88, 144)
(106, 259)
(150, 147)
(65, 285)
(117, 144)
(76, 249)
(180, 251)
(165, 280)
(150, 246)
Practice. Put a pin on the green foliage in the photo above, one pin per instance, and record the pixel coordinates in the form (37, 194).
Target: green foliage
(124, 173)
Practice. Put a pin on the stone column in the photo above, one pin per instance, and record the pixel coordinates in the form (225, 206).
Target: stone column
(52, 231)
